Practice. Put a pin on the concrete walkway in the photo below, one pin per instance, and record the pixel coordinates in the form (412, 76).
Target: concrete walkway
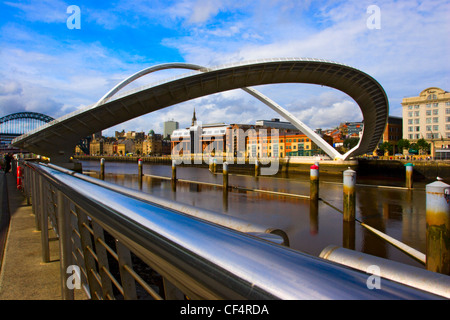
(23, 275)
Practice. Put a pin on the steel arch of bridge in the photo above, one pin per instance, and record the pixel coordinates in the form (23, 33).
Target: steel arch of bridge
(366, 91)
(26, 115)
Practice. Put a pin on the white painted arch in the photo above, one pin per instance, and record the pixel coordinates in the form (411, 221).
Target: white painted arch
(58, 138)
(317, 139)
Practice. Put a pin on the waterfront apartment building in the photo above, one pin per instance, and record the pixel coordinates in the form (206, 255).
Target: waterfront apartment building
(428, 116)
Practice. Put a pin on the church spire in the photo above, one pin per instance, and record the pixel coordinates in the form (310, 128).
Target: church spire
(194, 119)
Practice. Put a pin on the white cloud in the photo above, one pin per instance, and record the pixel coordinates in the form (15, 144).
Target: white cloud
(408, 53)
(48, 11)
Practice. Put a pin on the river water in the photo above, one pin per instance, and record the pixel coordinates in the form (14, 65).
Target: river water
(396, 212)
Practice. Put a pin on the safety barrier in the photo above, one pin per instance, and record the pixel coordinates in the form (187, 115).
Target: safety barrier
(126, 247)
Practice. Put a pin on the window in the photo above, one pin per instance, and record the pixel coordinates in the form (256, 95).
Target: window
(435, 111)
(428, 128)
(416, 113)
(417, 128)
(435, 105)
(447, 110)
(428, 112)
(410, 136)
(435, 128)
(410, 129)
(428, 120)
(447, 119)
(416, 121)
(410, 107)
(447, 103)
(447, 127)
(428, 105)
(435, 120)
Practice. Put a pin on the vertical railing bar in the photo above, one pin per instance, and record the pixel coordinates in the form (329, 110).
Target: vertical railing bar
(85, 243)
(65, 246)
(102, 259)
(128, 282)
(171, 292)
(44, 223)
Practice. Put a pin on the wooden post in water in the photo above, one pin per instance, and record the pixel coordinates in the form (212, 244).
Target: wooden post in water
(102, 168)
(225, 175)
(174, 170)
(314, 183)
(140, 172)
(349, 195)
(409, 175)
(256, 168)
(438, 227)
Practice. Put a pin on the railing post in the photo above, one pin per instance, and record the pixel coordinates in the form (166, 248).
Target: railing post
(65, 245)
(349, 195)
(438, 227)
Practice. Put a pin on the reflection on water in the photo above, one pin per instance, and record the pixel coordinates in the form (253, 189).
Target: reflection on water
(310, 226)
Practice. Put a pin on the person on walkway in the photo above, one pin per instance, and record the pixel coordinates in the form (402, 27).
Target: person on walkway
(7, 163)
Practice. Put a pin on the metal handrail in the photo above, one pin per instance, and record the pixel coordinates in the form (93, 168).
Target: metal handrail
(200, 258)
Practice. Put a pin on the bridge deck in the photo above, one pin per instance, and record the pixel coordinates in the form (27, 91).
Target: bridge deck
(23, 275)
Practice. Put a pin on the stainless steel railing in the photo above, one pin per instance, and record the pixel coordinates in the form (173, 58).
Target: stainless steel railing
(131, 248)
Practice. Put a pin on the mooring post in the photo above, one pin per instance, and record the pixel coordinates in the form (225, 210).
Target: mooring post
(438, 227)
(256, 168)
(314, 183)
(174, 170)
(140, 172)
(225, 175)
(349, 194)
(409, 175)
(102, 168)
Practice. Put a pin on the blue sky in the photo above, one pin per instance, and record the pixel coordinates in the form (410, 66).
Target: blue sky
(47, 67)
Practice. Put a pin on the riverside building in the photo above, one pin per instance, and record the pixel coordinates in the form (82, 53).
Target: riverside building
(428, 116)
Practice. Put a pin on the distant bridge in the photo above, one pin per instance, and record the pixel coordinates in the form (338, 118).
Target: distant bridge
(65, 132)
(17, 124)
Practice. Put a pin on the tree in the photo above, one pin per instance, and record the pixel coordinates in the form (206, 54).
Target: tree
(403, 144)
(350, 142)
(423, 145)
(386, 146)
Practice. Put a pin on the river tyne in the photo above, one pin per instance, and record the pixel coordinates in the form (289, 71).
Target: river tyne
(397, 212)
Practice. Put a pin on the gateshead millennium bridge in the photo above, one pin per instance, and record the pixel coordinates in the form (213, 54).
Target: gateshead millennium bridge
(58, 138)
